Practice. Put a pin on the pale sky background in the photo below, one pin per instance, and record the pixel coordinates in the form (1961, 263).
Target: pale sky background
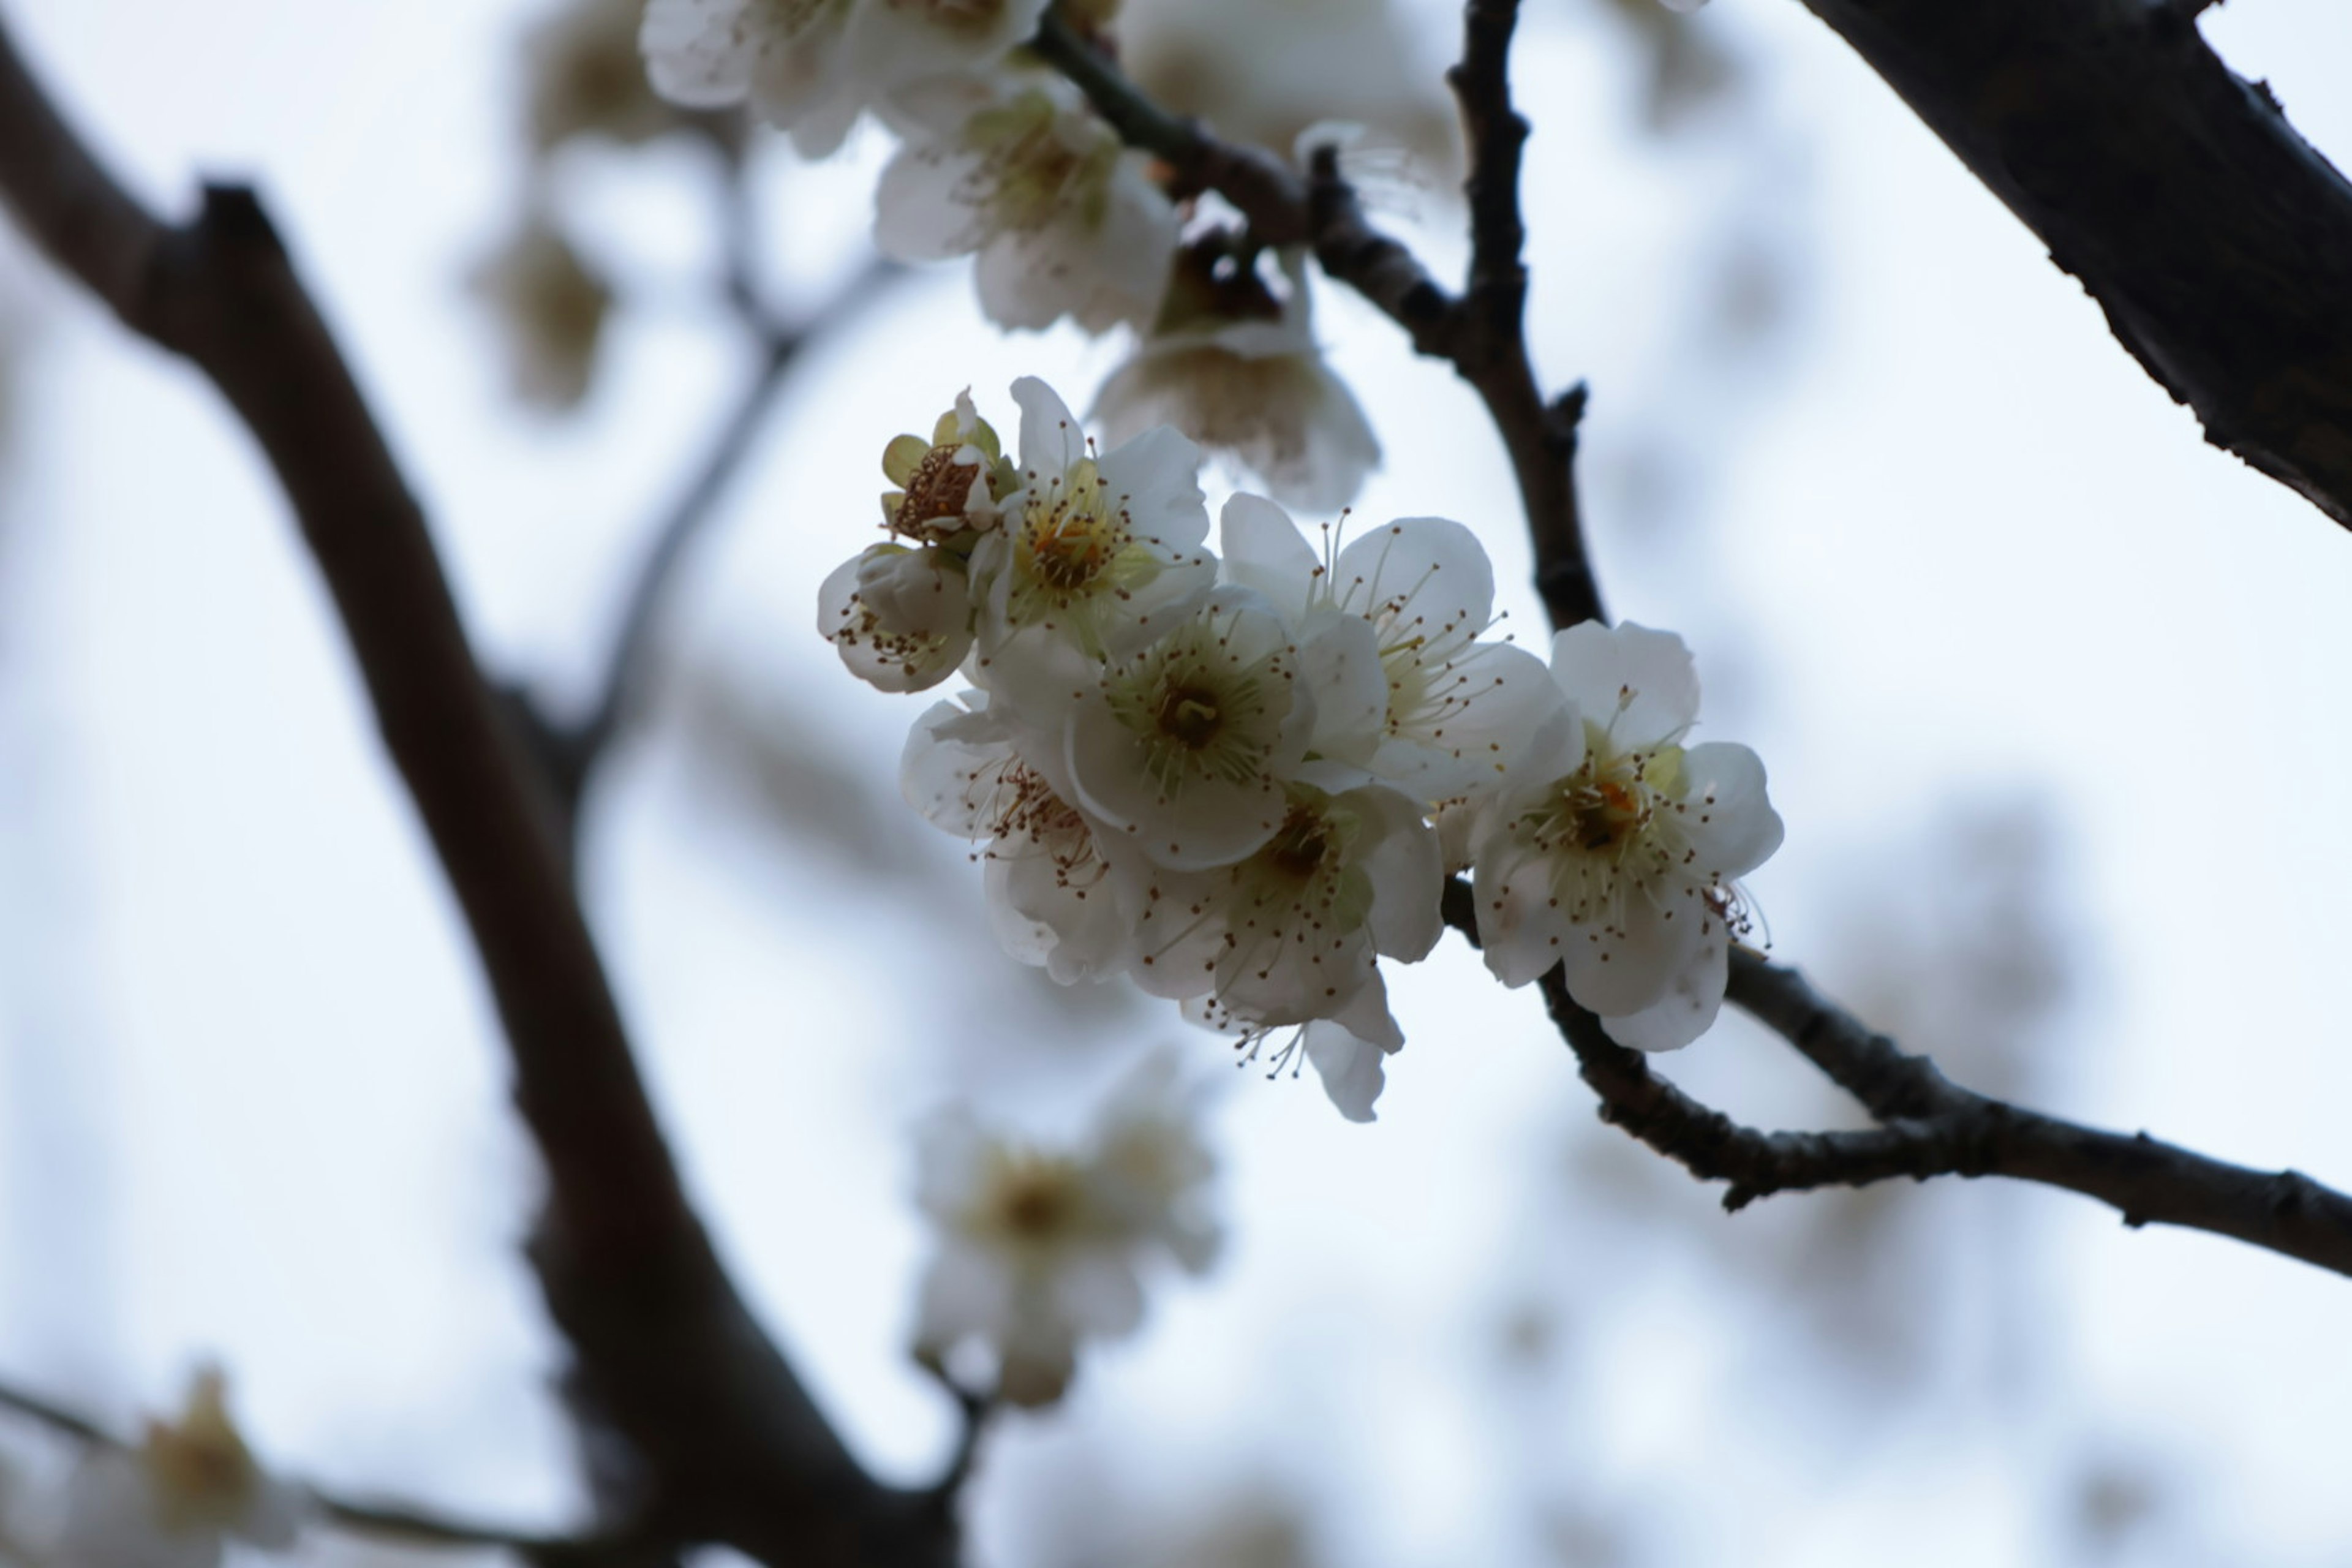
(1937, 541)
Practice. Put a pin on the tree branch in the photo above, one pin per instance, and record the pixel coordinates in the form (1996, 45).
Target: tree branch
(2216, 240)
(1481, 333)
(732, 1446)
(1928, 1126)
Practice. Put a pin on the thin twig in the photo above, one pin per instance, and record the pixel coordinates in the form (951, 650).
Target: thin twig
(1481, 333)
(1928, 1126)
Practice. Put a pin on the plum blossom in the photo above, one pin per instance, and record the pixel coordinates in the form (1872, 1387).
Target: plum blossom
(1454, 709)
(585, 78)
(1040, 1249)
(1236, 368)
(177, 1500)
(900, 618)
(1095, 554)
(1293, 932)
(949, 485)
(1050, 895)
(1064, 217)
(1614, 846)
(1185, 746)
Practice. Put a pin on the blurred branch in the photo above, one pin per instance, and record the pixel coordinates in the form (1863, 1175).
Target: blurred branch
(2216, 240)
(1481, 332)
(569, 752)
(732, 1447)
(1928, 1126)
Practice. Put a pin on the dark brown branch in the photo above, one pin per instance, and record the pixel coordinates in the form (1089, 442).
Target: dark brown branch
(732, 1447)
(1928, 1126)
(1481, 333)
(2217, 240)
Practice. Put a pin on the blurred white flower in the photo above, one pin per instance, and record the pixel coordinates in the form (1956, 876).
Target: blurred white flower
(1238, 370)
(1454, 710)
(178, 1499)
(1041, 1250)
(782, 56)
(552, 307)
(1264, 71)
(1050, 897)
(1612, 847)
(900, 618)
(1064, 217)
(1095, 555)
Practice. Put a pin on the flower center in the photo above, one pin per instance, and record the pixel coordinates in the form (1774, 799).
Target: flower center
(1189, 716)
(1302, 844)
(1037, 1204)
(937, 491)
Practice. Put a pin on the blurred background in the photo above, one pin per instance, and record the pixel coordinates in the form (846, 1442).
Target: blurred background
(2051, 695)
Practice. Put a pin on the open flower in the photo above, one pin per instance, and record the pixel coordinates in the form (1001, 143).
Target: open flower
(1040, 1249)
(1185, 746)
(1050, 896)
(1613, 848)
(900, 618)
(1455, 710)
(1294, 933)
(1095, 556)
(782, 56)
(179, 1498)
(1237, 369)
(1064, 217)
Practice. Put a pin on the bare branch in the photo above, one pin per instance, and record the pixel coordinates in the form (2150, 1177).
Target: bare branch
(733, 1448)
(2216, 240)
(1928, 1126)
(1481, 334)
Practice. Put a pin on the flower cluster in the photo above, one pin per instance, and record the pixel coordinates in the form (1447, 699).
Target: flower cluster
(1040, 1249)
(1000, 159)
(1224, 777)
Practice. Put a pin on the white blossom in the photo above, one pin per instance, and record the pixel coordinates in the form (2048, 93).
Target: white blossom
(1294, 933)
(1454, 709)
(1050, 896)
(900, 618)
(1185, 746)
(782, 56)
(1064, 218)
(947, 486)
(1095, 556)
(1614, 846)
(1237, 369)
(176, 1500)
(587, 79)
(1040, 1250)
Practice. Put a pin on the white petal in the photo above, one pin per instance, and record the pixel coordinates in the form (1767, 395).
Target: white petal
(1625, 969)
(1353, 1070)
(1264, 551)
(1408, 874)
(694, 51)
(1725, 814)
(1051, 438)
(1340, 669)
(1521, 931)
(1155, 480)
(1642, 686)
(1428, 576)
(1690, 1007)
